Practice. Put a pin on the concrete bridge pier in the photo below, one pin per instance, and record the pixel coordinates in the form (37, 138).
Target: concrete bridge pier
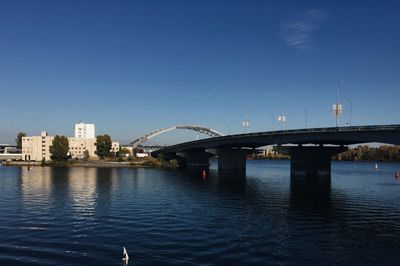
(196, 159)
(310, 160)
(232, 159)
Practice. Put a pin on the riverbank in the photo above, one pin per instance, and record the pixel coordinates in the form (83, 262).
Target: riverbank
(142, 163)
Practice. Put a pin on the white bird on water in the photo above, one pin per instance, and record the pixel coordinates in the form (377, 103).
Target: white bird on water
(125, 256)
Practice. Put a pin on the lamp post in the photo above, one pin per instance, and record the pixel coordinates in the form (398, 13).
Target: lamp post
(337, 108)
(306, 117)
(350, 109)
(282, 117)
(273, 121)
(245, 124)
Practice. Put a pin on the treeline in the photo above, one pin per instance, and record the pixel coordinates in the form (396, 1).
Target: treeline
(384, 153)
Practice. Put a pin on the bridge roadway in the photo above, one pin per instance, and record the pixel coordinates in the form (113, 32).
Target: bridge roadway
(309, 160)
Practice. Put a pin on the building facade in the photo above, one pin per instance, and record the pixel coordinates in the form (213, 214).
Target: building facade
(78, 146)
(37, 148)
(114, 147)
(84, 131)
(83, 145)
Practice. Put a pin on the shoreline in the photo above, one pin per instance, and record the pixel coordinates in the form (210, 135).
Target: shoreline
(133, 164)
(93, 164)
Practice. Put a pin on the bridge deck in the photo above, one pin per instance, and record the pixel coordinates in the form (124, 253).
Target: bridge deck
(389, 134)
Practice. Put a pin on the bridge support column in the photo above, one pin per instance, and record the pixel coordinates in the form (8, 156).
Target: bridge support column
(198, 159)
(232, 159)
(311, 160)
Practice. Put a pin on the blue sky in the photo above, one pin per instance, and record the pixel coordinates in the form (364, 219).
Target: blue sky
(134, 66)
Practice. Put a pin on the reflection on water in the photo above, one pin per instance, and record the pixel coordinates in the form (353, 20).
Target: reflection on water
(84, 216)
(310, 192)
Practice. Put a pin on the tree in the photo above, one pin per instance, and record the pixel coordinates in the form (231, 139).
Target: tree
(103, 146)
(59, 149)
(86, 155)
(18, 140)
(124, 152)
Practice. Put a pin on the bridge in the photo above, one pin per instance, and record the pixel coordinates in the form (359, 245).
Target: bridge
(310, 150)
(9, 152)
(207, 131)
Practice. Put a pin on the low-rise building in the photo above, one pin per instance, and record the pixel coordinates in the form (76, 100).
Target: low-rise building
(114, 147)
(129, 148)
(83, 145)
(78, 146)
(37, 148)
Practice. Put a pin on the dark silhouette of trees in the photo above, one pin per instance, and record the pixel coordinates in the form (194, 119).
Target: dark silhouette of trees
(59, 148)
(103, 146)
(384, 153)
(18, 140)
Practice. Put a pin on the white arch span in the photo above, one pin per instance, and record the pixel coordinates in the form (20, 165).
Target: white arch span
(208, 131)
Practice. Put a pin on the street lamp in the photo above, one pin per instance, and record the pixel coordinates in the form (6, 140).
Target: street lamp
(245, 124)
(273, 121)
(306, 117)
(350, 103)
(282, 119)
(336, 107)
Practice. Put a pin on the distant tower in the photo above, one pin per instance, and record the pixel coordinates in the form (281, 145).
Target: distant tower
(84, 131)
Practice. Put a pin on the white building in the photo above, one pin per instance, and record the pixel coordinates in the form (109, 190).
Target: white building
(84, 131)
(78, 146)
(37, 148)
(114, 147)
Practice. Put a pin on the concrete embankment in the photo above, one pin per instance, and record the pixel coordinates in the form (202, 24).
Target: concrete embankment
(97, 163)
(21, 163)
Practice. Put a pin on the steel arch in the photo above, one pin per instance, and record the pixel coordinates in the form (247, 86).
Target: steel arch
(204, 130)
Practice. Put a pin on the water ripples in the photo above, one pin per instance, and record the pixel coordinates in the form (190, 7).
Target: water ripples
(58, 216)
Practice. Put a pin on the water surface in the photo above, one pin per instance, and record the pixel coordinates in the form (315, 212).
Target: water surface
(84, 216)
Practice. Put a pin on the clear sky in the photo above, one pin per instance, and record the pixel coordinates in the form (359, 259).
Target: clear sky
(134, 66)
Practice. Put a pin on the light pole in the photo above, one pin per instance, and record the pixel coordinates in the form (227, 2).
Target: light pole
(245, 124)
(306, 117)
(350, 105)
(282, 117)
(337, 108)
(273, 121)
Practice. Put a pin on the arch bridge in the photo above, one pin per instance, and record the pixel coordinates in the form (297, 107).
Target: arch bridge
(204, 130)
(310, 150)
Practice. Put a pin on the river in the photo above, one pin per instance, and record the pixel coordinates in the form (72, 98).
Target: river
(84, 216)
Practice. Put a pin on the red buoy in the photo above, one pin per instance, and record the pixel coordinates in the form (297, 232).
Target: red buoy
(397, 174)
(203, 173)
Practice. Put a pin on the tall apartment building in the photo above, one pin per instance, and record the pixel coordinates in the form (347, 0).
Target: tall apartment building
(84, 131)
